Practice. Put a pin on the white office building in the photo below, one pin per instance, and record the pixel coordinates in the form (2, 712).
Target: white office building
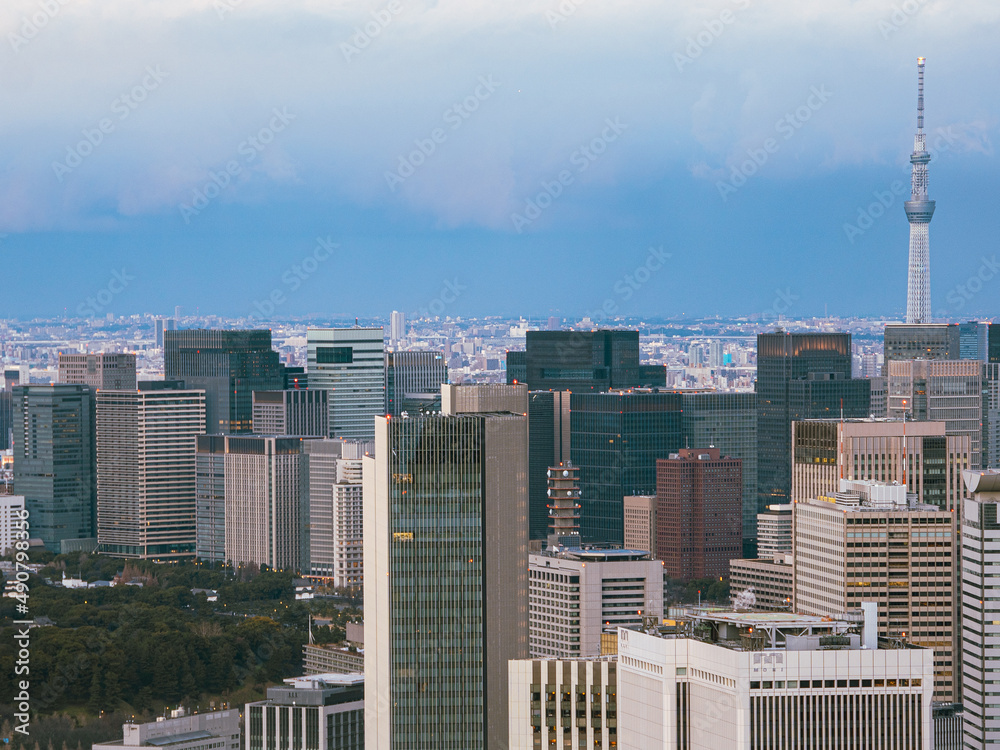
(771, 681)
(349, 363)
(12, 521)
(981, 610)
(574, 594)
(218, 730)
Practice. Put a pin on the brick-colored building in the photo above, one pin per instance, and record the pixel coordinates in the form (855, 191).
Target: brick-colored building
(698, 512)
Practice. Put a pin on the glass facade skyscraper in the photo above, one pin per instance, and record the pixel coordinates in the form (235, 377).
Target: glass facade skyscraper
(615, 439)
(581, 361)
(548, 445)
(229, 366)
(799, 376)
(54, 460)
(445, 501)
(350, 364)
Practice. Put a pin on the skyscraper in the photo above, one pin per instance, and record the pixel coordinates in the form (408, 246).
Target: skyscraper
(581, 361)
(867, 543)
(948, 391)
(919, 211)
(265, 513)
(727, 421)
(147, 443)
(54, 460)
(291, 412)
(413, 380)
(161, 325)
(980, 609)
(333, 469)
(799, 376)
(229, 366)
(397, 326)
(699, 512)
(106, 371)
(210, 498)
(615, 439)
(349, 363)
(924, 341)
(445, 538)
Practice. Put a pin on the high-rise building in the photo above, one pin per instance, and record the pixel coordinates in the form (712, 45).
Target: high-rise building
(316, 712)
(517, 367)
(980, 610)
(54, 460)
(715, 350)
(446, 585)
(265, 488)
(743, 680)
(581, 361)
(106, 371)
(940, 391)
(229, 366)
(349, 363)
(990, 448)
(615, 439)
(548, 445)
(290, 412)
(640, 523)
(696, 355)
(774, 528)
(923, 341)
(6, 418)
(727, 421)
(12, 521)
(147, 444)
(413, 381)
(159, 326)
(929, 462)
(973, 340)
(699, 521)
(335, 511)
(575, 594)
(879, 397)
(799, 376)
(563, 703)
(210, 498)
(919, 211)
(868, 543)
(397, 326)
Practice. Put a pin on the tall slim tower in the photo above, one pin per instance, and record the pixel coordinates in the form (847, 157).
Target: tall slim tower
(919, 211)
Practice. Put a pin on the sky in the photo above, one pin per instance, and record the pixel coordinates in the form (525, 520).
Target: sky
(473, 157)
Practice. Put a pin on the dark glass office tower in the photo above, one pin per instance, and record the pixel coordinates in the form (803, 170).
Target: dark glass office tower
(615, 439)
(446, 596)
(548, 445)
(922, 341)
(6, 418)
(581, 361)
(413, 381)
(993, 343)
(229, 366)
(728, 421)
(799, 376)
(517, 367)
(54, 460)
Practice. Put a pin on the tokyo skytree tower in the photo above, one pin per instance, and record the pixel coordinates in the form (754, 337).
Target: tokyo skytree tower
(919, 211)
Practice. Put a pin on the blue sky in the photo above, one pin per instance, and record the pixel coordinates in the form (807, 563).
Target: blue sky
(528, 154)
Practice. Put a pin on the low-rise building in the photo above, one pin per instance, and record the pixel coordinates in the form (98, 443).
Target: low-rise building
(210, 731)
(316, 712)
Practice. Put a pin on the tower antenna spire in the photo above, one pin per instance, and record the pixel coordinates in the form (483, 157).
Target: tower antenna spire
(919, 211)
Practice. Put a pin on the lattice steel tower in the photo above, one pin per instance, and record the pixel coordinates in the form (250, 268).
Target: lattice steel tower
(919, 211)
